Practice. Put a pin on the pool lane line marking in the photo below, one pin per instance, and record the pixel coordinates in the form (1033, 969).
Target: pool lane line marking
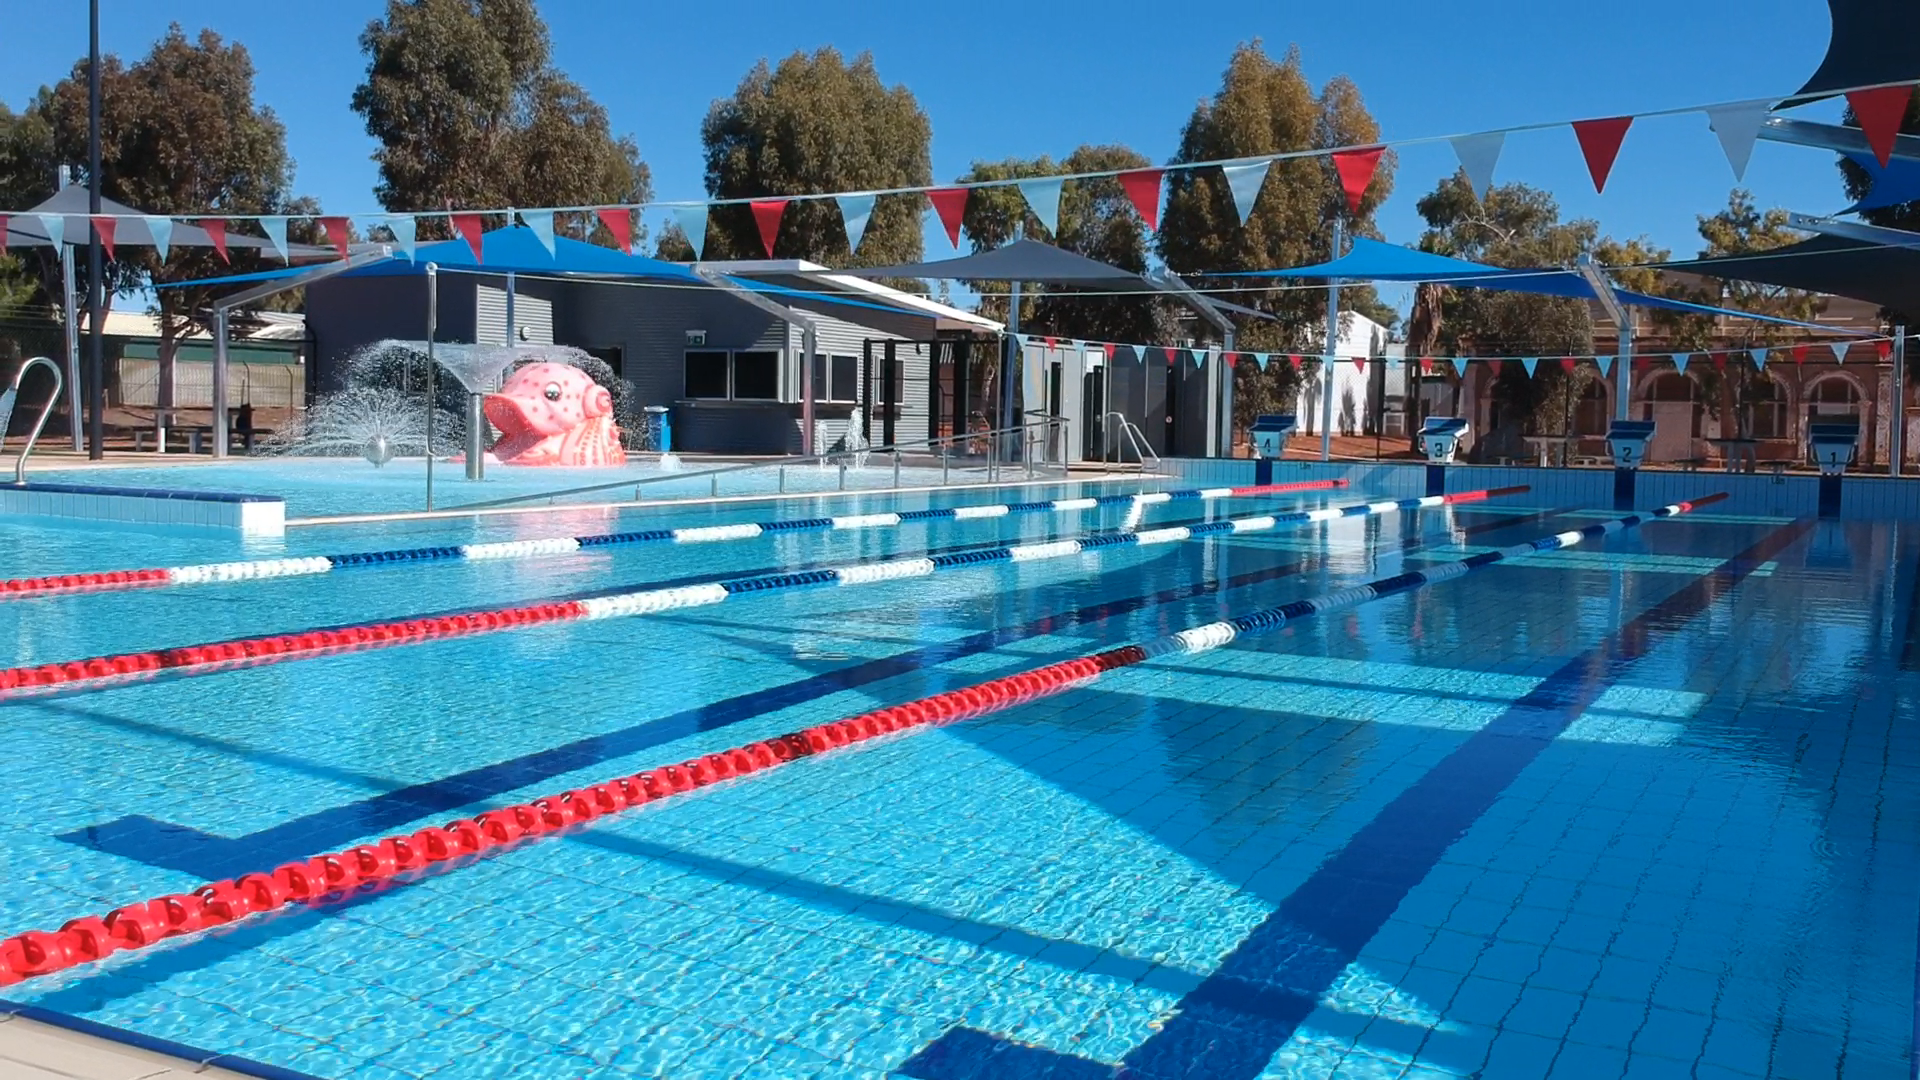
(208, 856)
(308, 565)
(210, 657)
(91, 938)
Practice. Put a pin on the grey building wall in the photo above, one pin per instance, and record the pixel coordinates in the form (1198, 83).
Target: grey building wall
(532, 309)
(345, 315)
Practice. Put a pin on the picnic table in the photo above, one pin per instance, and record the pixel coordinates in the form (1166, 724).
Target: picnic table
(1740, 455)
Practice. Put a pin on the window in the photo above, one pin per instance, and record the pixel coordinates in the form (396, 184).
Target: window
(1590, 413)
(836, 378)
(1769, 411)
(707, 375)
(756, 376)
(611, 355)
(902, 352)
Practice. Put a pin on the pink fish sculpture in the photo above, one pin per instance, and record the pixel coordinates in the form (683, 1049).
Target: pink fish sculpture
(554, 414)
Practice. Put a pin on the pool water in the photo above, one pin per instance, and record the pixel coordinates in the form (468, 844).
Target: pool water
(1649, 807)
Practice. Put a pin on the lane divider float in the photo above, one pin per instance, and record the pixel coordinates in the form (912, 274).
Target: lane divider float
(326, 877)
(307, 565)
(209, 657)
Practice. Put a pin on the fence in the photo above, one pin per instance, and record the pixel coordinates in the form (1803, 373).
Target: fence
(264, 386)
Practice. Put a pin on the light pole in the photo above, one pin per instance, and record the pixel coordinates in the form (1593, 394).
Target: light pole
(96, 376)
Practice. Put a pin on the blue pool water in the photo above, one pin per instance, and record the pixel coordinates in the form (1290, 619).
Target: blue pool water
(1648, 809)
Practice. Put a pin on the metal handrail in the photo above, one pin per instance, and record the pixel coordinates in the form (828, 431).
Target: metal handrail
(59, 383)
(829, 457)
(1137, 437)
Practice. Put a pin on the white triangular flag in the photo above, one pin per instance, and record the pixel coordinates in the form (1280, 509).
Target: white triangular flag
(1043, 198)
(541, 222)
(855, 210)
(1760, 359)
(1680, 361)
(1839, 351)
(693, 222)
(406, 232)
(161, 229)
(1244, 182)
(276, 229)
(1738, 127)
(56, 227)
(1478, 155)
(1606, 365)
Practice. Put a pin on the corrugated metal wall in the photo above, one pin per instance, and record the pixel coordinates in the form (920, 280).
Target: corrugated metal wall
(532, 309)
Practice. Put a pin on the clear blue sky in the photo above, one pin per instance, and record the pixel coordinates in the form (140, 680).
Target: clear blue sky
(1000, 78)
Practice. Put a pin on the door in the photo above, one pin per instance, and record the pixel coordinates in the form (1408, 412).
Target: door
(1093, 392)
(1672, 431)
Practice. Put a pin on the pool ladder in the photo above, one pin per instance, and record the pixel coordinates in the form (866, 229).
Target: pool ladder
(12, 395)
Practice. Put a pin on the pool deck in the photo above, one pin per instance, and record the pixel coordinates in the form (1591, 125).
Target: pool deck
(31, 1050)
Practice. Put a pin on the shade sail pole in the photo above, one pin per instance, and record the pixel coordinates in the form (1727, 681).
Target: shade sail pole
(1333, 344)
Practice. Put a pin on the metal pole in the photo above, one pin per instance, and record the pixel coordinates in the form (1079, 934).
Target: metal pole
(96, 299)
(69, 311)
(809, 341)
(476, 438)
(513, 329)
(1897, 431)
(1327, 365)
(1622, 407)
(1226, 395)
(221, 331)
(1011, 357)
(433, 330)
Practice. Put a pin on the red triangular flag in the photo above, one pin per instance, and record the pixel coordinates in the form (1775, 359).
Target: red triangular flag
(619, 222)
(1426, 365)
(1641, 361)
(1600, 143)
(217, 232)
(1173, 357)
(1568, 363)
(1294, 360)
(766, 215)
(1052, 342)
(105, 226)
(1879, 112)
(1494, 366)
(951, 205)
(470, 227)
(1107, 347)
(1356, 169)
(1360, 363)
(1884, 348)
(1719, 361)
(1232, 359)
(337, 229)
(3, 234)
(1799, 354)
(1143, 191)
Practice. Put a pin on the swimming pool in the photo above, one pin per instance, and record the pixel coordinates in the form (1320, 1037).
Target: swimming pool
(1646, 807)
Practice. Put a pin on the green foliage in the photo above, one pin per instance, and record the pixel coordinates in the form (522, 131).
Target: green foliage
(470, 111)
(816, 125)
(1096, 220)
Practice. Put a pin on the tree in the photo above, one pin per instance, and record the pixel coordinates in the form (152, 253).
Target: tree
(470, 112)
(1743, 229)
(1096, 220)
(1265, 107)
(817, 125)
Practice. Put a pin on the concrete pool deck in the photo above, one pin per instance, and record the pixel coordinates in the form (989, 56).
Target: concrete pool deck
(32, 1050)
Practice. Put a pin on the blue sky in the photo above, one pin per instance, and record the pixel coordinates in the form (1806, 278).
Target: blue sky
(1000, 78)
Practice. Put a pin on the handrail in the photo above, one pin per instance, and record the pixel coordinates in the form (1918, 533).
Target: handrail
(13, 394)
(776, 463)
(1137, 437)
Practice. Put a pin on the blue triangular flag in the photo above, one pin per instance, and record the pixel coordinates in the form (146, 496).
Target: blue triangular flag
(693, 222)
(161, 229)
(1529, 362)
(1244, 182)
(276, 229)
(405, 232)
(1393, 363)
(1680, 361)
(540, 221)
(1460, 366)
(1760, 359)
(855, 210)
(56, 227)
(1200, 358)
(1606, 365)
(1260, 360)
(1043, 198)
(1839, 351)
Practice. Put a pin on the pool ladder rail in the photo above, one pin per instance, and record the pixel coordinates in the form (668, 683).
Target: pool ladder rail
(12, 395)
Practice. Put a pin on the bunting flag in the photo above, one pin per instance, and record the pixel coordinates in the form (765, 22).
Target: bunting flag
(1719, 361)
(1200, 358)
(276, 229)
(1478, 155)
(855, 211)
(1260, 361)
(1606, 365)
(1738, 126)
(471, 227)
(55, 227)
(1460, 366)
(1393, 363)
(4, 222)
(1568, 363)
(337, 232)
(951, 205)
(217, 232)
(1355, 169)
(1883, 349)
(160, 228)
(1879, 112)
(1759, 359)
(1143, 191)
(1043, 198)
(766, 218)
(1839, 351)
(1243, 183)
(1530, 363)
(1494, 367)
(1680, 362)
(619, 223)
(106, 226)
(693, 222)
(1600, 144)
(1360, 364)
(1800, 354)
(406, 233)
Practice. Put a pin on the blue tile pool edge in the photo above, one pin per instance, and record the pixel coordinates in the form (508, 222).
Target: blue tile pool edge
(200, 1058)
(144, 493)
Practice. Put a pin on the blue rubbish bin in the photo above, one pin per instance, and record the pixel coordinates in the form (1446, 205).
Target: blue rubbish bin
(664, 420)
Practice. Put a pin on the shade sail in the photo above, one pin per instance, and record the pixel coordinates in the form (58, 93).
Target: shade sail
(1022, 260)
(1896, 183)
(1887, 275)
(1872, 44)
(512, 250)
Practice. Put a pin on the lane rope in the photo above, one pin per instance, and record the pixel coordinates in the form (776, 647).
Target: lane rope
(209, 657)
(323, 878)
(307, 565)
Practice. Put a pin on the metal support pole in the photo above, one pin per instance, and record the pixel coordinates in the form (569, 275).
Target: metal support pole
(1623, 387)
(809, 341)
(96, 293)
(222, 330)
(476, 438)
(513, 328)
(1327, 365)
(70, 311)
(433, 331)
(1011, 357)
(1897, 430)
